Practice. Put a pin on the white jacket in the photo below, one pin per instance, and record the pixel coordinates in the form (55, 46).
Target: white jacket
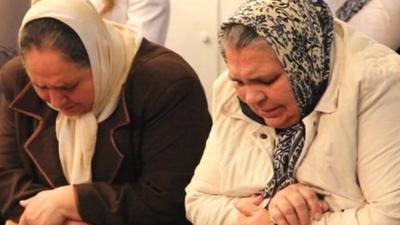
(351, 152)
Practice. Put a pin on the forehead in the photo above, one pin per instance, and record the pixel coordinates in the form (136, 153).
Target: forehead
(252, 60)
(50, 67)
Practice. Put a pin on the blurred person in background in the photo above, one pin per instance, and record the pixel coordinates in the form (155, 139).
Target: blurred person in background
(378, 19)
(11, 16)
(151, 17)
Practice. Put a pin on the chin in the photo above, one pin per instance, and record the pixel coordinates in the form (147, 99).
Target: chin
(278, 123)
(72, 113)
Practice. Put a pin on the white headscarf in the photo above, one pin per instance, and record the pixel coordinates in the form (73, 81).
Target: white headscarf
(111, 48)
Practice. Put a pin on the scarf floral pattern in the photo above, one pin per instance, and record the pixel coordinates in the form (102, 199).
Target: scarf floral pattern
(350, 8)
(301, 34)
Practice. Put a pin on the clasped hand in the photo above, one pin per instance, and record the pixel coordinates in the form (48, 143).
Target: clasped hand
(51, 207)
(296, 204)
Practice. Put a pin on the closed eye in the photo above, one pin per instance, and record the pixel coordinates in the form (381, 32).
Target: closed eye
(269, 81)
(236, 81)
(67, 88)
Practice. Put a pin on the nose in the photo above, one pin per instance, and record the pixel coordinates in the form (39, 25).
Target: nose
(56, 98)
(254, 97)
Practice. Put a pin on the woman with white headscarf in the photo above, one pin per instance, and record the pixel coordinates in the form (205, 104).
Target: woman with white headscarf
(305, 123)
(151, 17)
(97, 125)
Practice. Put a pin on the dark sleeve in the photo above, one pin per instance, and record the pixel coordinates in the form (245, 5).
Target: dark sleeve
(16, 182)
(173, 129)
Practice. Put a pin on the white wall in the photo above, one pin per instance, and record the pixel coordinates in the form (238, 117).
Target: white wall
(193, 34)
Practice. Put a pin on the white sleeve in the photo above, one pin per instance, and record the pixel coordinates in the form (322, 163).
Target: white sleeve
(378, 140)
(151, 17)
(204, 202)
(380, 19)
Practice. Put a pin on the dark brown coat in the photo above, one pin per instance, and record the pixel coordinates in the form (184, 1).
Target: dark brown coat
(145, 154)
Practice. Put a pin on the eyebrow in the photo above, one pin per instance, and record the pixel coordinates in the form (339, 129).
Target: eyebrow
(256, 78)
(61, 87)
(231, 77)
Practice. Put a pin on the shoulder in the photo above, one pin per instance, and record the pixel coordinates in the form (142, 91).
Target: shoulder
(224, 95)
(375, 65)
(160, 75)
(13, 77)
(363, 58)
(157, 62)
(371, 71)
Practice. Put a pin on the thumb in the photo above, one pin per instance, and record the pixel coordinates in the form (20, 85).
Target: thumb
(25, 203)
(257, 200)
(245, 207)
(324, 206)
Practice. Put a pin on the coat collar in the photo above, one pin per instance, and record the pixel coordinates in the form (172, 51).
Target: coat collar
(328, 101)
(42, 145)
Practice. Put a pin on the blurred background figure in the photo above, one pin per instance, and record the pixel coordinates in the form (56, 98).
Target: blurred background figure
(150, 16)
(377, 18)
(11, 12)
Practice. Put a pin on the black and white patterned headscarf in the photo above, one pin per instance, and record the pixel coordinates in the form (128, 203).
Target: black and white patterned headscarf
(350, 8)
(301, 34)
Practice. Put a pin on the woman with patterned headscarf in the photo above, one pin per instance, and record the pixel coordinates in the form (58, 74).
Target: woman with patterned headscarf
(306, 127)
(97, 124)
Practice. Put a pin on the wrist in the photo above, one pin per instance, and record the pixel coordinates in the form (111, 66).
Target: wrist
(271, 219)
(69, 202)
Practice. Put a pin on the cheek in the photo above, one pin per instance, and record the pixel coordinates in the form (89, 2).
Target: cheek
(84, 95)
(292, 106)
(42, 94)
(241, 93)
(81, 98)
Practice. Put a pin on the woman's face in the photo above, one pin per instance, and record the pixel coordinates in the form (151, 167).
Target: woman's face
(66, 86)
(261, 82)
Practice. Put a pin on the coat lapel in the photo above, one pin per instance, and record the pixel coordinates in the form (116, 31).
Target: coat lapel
(42, 145)
(108, 156)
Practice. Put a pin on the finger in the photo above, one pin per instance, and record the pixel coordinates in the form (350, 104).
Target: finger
(241, 219)
(277, 216)
(300, 206)
(257, 200)
(245, 207)
(22, 220)
(283, 213)
(24, 203)
(324, 206)
(262, 216)
(312, 201)
(74, 222)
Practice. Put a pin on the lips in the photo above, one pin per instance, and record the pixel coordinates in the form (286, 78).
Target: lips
(269, 113)
(67, 108)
